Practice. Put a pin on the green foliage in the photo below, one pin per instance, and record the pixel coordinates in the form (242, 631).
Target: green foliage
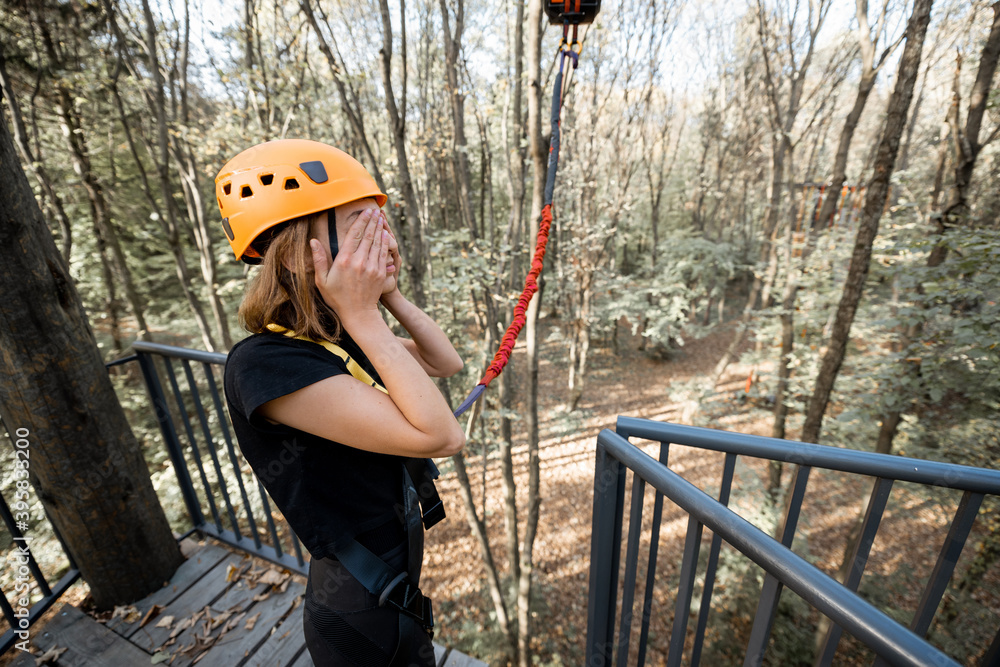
(658, 303)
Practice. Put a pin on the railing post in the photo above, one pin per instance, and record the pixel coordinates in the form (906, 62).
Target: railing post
(958, 532)
(859, 560)
(770, 592)
(685, 589)
(725, 489)
(605, 551)
(170, 438)
(631, 565)
(654, 546)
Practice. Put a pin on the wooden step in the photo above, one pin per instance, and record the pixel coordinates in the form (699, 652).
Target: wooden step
(211, 582)
(87, 642)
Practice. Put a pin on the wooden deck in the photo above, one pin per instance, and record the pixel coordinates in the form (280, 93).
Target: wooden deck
(221, 609)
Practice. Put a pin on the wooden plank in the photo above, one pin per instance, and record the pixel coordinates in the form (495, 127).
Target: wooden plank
(22, 659)
(237, 599)
(88, 643)
(440, 653)
(458, 659)
(286, 642)
(239, 642)
(304, 660)
(212, 585)
(190, 571)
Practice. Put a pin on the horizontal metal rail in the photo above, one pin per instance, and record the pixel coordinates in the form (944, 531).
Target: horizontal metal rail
(175, 352)
(932, 473)
(885, 636)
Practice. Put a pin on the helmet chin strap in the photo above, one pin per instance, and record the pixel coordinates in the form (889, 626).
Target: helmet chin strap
(331, 222)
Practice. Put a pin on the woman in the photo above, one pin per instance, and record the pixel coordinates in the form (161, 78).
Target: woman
(342, 459)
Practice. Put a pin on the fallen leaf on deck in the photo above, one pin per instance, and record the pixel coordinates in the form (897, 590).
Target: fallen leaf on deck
(184, 625)
(272, 576)
(219, 620)
(159, 656)
(153, 612)
(165, 622)
(252, 621)
(128, 613)
(201, 643)
(233, 622)
(50, 656)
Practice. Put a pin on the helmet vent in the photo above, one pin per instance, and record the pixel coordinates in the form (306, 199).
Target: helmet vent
(246, 192)
(227, 188)
(291, 184)
(266, 179)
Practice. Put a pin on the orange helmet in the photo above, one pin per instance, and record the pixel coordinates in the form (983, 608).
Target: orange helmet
(285, 179)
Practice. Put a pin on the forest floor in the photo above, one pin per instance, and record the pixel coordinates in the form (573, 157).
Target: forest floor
(629, 382)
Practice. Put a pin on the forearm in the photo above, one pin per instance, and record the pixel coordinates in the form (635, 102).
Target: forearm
(409, 386)
(431, 342)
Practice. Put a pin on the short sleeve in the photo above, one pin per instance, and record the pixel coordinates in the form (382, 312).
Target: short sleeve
(267, 366)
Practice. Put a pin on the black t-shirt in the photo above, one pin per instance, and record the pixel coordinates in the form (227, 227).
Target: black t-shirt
(328, 492)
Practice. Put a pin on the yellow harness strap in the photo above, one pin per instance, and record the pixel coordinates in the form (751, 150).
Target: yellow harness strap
(352, 366)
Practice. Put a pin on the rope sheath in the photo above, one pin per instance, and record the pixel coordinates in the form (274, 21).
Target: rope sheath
(519, 319)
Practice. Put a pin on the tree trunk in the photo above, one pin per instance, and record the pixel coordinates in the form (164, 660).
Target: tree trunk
(509, 486)
(352, 108)
(99, 206)
(36, 166)
(86, 465)
(162, 161)
(187, 169)
(539, 155)
(869, 71)
(168, 223)
(787, 344)
(478, 528)
(843, 148)
(967, 150)
(878, 190)
(459, 148)
(397, 119)
(583, 336)
(76, 141)
(782, 121)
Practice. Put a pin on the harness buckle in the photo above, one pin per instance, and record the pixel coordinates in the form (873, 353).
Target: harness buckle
(434, 515)
(407, 598)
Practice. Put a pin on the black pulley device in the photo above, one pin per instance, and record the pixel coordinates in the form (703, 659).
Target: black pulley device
(573, 12)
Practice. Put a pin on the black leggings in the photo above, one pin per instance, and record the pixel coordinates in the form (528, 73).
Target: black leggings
(344, 626)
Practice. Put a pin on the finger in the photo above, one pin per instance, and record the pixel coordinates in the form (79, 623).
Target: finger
(378, 243)
(359, 231)
(383, 257)
(319, 260)
(385, 219)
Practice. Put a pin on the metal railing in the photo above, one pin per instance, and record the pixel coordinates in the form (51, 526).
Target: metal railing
(27, 575)
(891, 642)
(227, 502)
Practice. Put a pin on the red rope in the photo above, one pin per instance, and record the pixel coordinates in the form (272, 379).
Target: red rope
(502, 356)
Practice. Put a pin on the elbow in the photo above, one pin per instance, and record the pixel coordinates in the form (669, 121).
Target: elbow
(456, 366)
(442, 443)
(453, 445)
(450, 367)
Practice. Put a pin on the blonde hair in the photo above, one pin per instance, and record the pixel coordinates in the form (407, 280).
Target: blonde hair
(284, 290)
